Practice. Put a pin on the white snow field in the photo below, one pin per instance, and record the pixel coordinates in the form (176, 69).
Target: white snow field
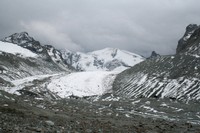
(15, 49)
(64, 85)
(82, 83)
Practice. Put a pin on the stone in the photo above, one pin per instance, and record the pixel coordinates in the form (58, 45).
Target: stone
(50, 123)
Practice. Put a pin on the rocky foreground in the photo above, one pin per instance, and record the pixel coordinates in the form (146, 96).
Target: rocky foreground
(28, 114)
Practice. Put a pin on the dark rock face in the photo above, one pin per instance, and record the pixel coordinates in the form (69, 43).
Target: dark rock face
(192, 46)
(18, 38)
(183, 42)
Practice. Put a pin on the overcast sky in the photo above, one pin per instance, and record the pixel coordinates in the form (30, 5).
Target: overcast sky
(138, 26)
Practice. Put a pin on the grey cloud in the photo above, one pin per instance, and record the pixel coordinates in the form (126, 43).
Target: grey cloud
(84, 25)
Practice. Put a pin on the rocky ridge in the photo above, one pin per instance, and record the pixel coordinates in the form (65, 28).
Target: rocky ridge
(173, 76)
(46, 52)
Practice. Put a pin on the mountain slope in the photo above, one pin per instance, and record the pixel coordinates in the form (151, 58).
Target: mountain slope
(46, 52)
(107, 59)
(16, 66)
(175, 77)
(21, 56)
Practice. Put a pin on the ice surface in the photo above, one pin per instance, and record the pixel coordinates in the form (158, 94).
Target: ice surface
(82, 83)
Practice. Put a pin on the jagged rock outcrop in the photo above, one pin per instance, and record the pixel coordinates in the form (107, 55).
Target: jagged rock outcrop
(154, 55)
(24, 40)
(185, 40)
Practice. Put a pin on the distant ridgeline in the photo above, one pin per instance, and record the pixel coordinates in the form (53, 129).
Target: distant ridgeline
(22, 56)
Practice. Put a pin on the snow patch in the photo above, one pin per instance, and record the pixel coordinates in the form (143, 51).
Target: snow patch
(15, 49)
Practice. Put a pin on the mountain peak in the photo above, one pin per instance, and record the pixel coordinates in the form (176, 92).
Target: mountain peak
(154, 55)
(106, 51)
(23, 33)
(107, 59)
(191, 27)
(18, 38)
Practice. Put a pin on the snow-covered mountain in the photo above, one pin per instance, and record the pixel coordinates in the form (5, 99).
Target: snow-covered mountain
(107, 59)
(46, 52)
(21, 56)
(174, 76)
(24, 60)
